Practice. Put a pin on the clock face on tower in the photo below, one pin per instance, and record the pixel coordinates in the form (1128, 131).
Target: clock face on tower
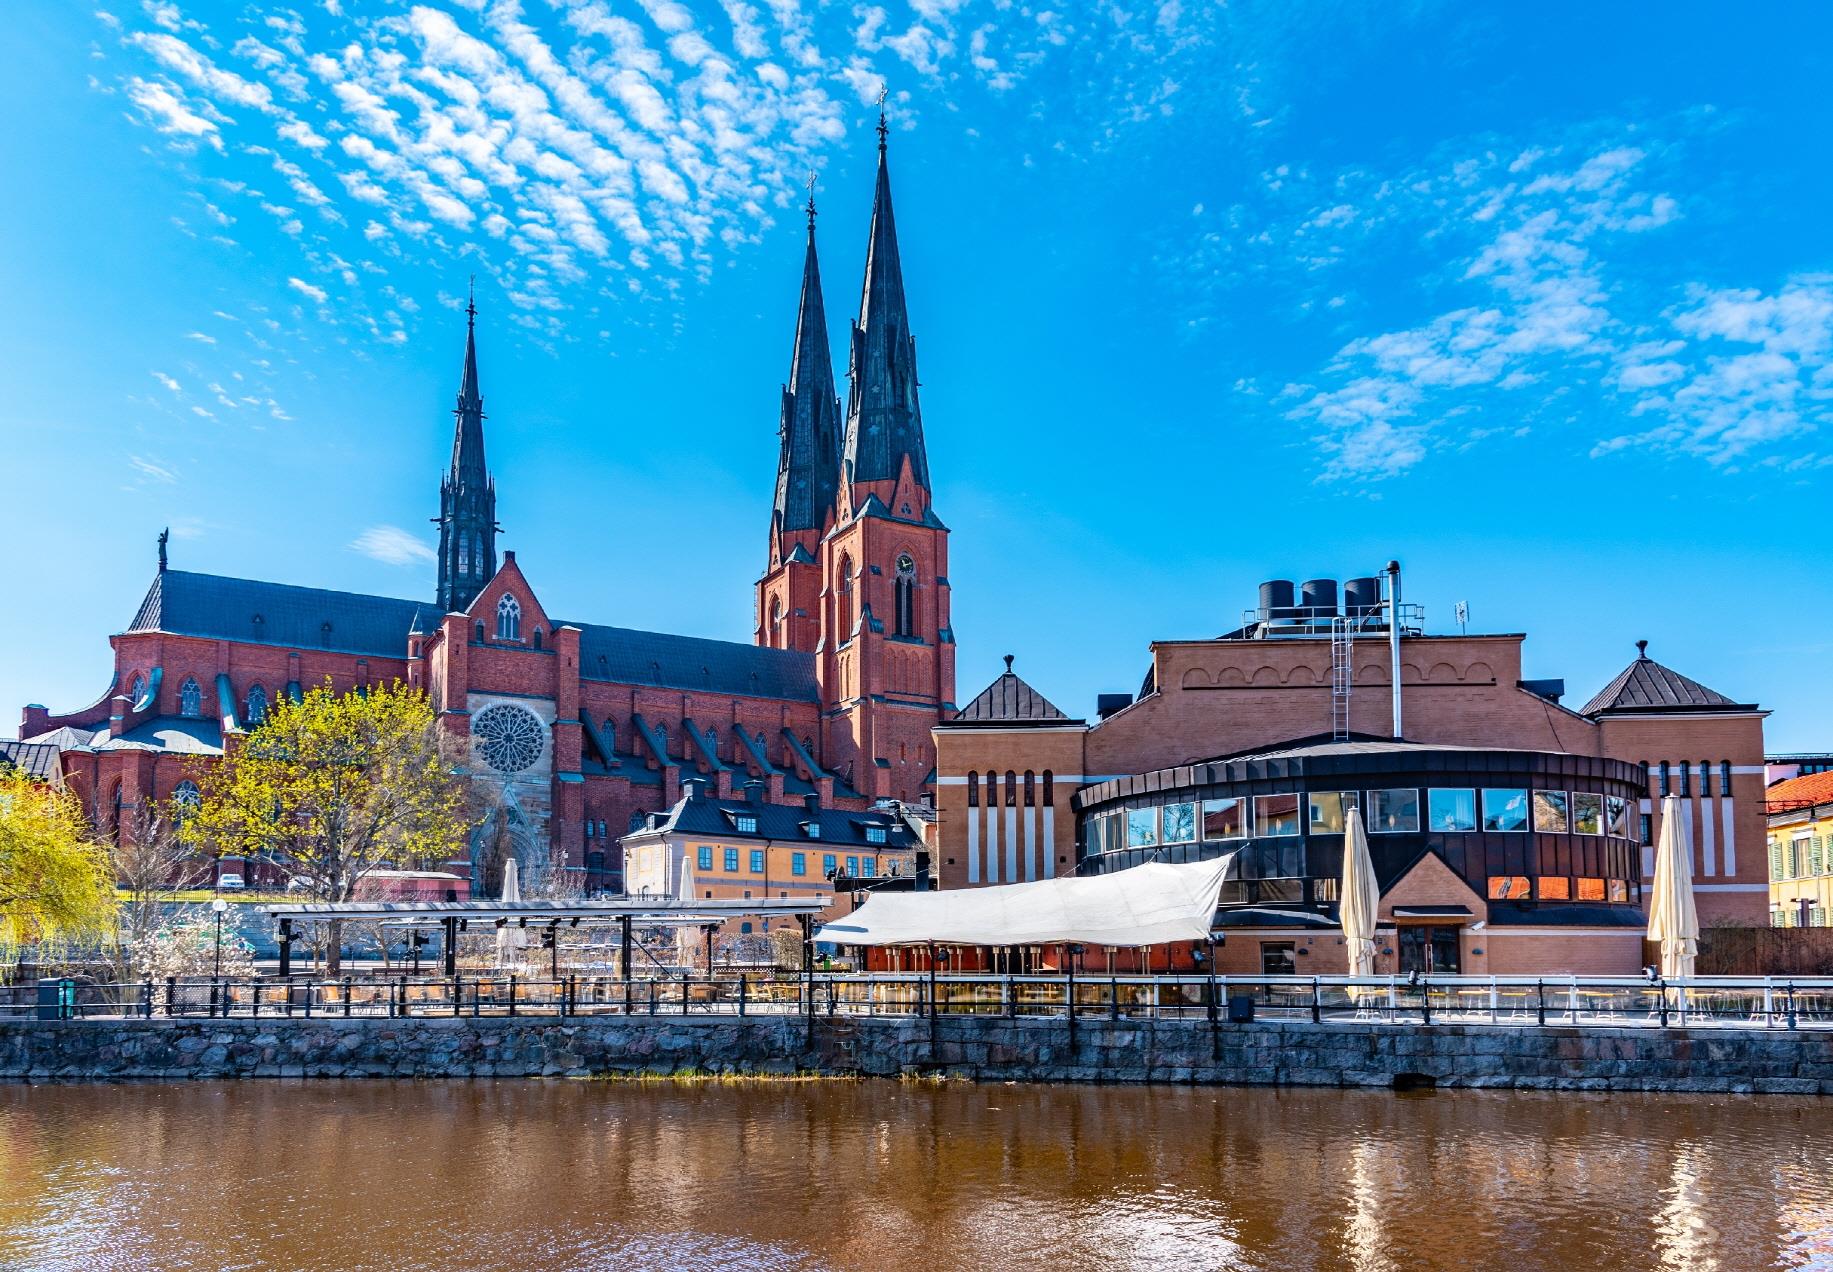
(509, 738)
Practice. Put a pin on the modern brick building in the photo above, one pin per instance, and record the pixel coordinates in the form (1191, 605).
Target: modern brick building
(576, 730)
(1510, 833)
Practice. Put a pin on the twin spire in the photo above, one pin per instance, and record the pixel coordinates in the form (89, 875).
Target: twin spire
(883, 423)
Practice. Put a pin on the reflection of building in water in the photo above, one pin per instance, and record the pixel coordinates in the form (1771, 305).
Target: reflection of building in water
(1510, 832)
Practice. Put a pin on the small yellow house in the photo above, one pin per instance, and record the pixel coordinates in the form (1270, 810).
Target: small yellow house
(1800, 814)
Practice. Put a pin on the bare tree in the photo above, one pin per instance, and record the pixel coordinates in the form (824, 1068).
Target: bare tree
(150, 862)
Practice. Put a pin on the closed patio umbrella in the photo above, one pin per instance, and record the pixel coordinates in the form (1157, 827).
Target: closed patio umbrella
(1673, 922)
(1359, 898)
(509, 936)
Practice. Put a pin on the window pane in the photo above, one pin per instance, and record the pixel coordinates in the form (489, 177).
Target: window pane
(1616, 816)
(1142, 827)
(1508, 888)
(1552, 813)
(1587, 814)
(1590, 889)
(1554, 887)
(1619, 890)
(1452, 810)
(1224, 818)
(1276, 815)
(1180, 823)
(798, 863)
(731, 859)
(757, 861)
(1394, 812)
(1330, 811)
(1275, 891)
(1504, 808)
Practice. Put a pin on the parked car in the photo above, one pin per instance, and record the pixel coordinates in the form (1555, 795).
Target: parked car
(230, 882)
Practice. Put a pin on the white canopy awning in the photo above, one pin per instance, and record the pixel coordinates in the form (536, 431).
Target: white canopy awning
(1143, 905)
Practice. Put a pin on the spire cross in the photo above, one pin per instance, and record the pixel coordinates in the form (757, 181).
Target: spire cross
(883, 92)
(471, 303)
(811, 198)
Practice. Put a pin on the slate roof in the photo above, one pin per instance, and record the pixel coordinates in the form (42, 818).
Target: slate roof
(221, 608)
(693, 662)
(1645, 685)
(1010, 701)
(1799, 792)
(34, 759)
(71, 738)
(703, 815)
(179, 735)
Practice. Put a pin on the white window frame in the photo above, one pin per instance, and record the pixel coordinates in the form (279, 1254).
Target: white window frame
(1476, 809)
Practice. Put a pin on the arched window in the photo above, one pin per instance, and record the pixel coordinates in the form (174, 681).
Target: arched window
(776, 623)
(190, 698)
(1011, 788)
(1050, 795)
(135, 688)
(973, 790)
(508, 618)
(906, 595)
(1030, 789)
(185, 799)
(257, 704)
(845, 611)
(464, 554)
(480, 633)
(116, 819)
(537, 638)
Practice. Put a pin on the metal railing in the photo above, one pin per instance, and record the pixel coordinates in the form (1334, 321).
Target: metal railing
(1704, 1002)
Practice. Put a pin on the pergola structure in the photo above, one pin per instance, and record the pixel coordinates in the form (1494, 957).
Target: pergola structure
(624, 912)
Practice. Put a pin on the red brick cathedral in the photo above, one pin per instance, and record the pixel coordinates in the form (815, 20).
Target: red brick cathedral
(575, 728)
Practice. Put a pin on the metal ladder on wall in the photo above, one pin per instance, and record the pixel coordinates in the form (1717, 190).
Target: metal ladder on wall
(1342, 676)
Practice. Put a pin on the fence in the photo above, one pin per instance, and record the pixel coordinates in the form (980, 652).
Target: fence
(1764, 1003)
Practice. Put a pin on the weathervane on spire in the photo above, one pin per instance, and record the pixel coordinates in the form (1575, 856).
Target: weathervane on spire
(471, 303)
(811, 198)
(883, 92)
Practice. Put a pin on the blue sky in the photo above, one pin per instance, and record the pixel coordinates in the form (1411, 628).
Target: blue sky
(1538, 302)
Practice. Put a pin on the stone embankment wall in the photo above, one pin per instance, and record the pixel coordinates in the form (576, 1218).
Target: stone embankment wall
(991, 1049)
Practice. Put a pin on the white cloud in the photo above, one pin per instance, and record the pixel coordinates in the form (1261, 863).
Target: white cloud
(200, 337)
(153, 469)
(392, 545)
(315, 294)
(167, 380)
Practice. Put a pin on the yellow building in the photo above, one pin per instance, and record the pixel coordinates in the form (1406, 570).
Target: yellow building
(1801, 851)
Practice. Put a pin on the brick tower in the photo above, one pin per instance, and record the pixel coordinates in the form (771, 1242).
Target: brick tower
(886, 662)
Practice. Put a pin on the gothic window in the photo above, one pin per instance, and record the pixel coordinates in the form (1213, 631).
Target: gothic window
(464, 553)
(257, 704)
(508, 737)
(135, 688)
(537, 638)
(480, 633)
(185, 799)
(116, 826)
(846, 598)
(906, 595)
(776, 622)
(508, 618)
(190, 698)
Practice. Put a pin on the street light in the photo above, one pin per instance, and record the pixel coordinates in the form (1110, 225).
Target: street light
(220, 906)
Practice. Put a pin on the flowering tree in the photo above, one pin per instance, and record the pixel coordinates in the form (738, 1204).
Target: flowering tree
(187, 948)
(54, 880)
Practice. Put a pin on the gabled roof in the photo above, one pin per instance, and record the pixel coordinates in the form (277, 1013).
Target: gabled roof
(1010, 701)
(1799, 792)
(221, 608)
(35, 759)
(68, 737)
(699, 814)
(1645, 685)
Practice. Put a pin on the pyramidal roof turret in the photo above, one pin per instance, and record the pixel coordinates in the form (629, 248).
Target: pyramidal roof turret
(884, 421)
(808, 467)
(467, 496)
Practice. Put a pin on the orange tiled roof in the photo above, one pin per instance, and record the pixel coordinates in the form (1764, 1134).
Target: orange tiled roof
(1799, 792)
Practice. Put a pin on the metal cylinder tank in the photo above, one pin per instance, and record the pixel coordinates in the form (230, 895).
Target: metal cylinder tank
(1318, 598)
(1362, 598)
(1276, 598)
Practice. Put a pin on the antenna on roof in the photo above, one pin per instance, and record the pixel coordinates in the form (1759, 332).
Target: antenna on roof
(1462, 609)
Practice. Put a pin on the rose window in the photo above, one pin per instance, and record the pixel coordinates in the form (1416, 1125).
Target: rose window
(510, 738)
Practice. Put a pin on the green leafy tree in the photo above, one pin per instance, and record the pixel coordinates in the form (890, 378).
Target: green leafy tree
(54, 880)
(333, 788)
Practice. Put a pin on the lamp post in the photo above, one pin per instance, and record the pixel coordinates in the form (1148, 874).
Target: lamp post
(220, 906)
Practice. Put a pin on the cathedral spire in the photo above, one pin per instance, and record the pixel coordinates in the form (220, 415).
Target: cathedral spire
(808, 468)
(467, 495)
(884, 422)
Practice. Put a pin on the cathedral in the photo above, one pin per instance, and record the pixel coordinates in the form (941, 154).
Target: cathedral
(574, 730)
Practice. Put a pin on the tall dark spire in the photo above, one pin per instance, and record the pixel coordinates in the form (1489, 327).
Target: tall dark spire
(467, 495)
(884, 422)
(808, 468)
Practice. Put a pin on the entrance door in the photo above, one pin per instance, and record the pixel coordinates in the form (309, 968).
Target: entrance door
(1428, 948)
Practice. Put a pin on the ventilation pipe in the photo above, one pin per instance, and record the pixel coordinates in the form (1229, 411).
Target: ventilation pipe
(1393, 635)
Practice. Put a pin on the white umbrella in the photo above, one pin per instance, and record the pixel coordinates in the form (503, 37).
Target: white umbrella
(1673, 922)
(1359, 899)
(509, 937)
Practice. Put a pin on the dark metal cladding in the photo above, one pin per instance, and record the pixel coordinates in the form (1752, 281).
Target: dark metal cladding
(884, 421)
(808, 469)
(467, 495)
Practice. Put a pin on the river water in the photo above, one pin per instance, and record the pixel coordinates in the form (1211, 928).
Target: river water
(563, 1175)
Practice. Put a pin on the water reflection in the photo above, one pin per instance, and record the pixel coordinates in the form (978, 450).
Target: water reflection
(576, 1175)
